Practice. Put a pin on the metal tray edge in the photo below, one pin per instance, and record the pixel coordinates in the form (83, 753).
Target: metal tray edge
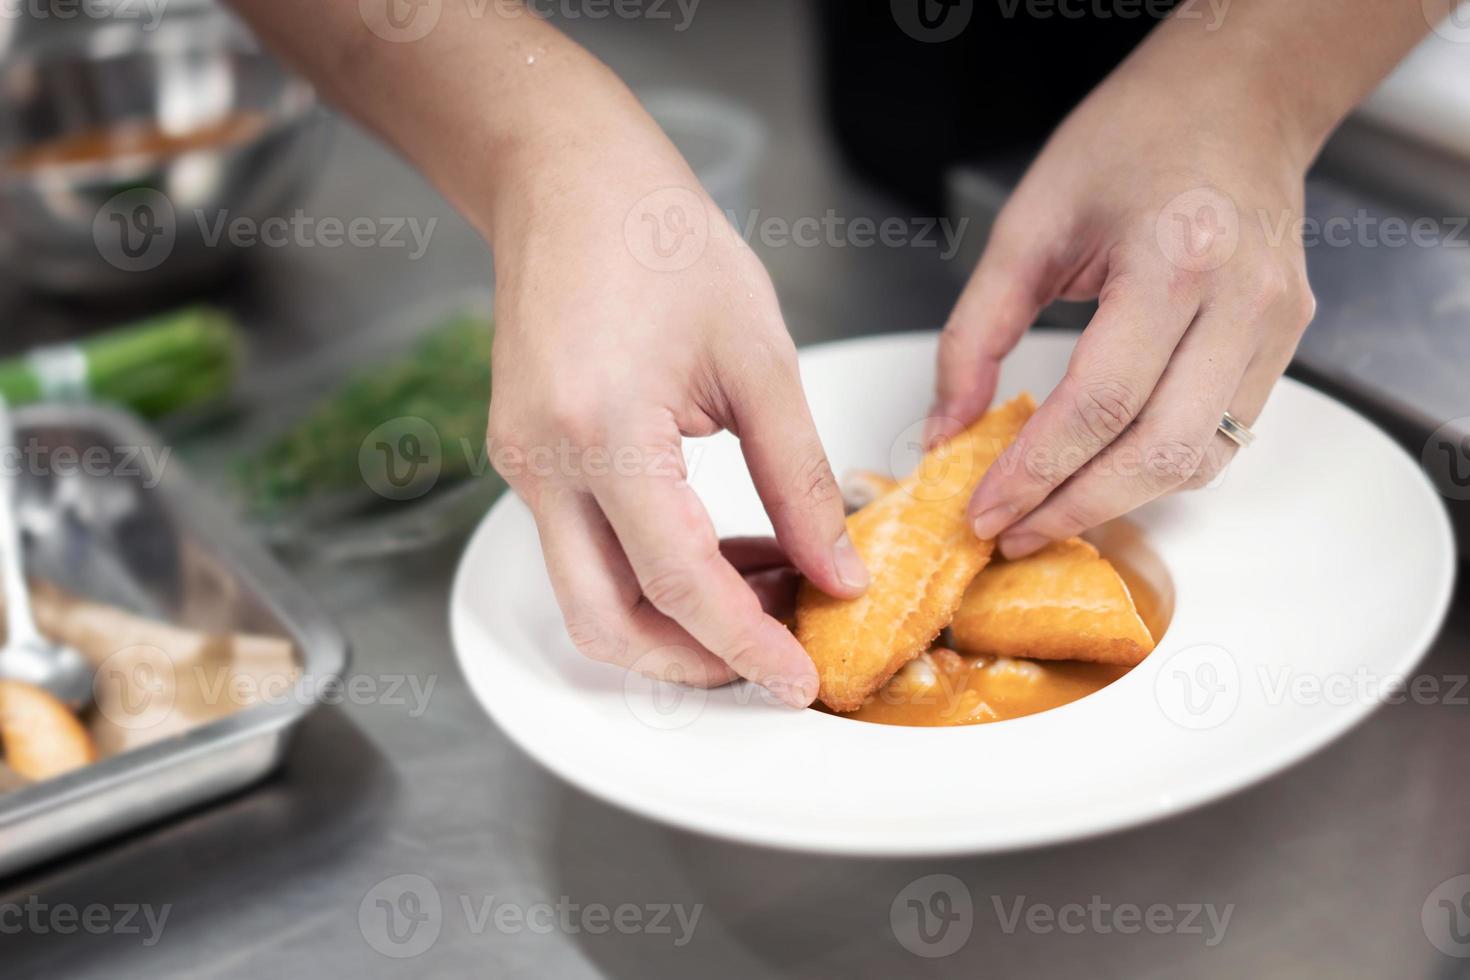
(321, 644)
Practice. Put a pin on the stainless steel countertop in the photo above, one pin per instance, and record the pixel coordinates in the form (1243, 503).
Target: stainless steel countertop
(1326, 867)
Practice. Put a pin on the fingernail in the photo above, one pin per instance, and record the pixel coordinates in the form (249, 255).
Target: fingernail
(994, 520)
(851, 571)
(1020, 545)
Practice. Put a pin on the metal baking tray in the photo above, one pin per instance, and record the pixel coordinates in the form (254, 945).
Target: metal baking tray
(116, 520)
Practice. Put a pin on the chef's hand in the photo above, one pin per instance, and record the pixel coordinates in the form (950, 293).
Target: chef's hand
(1135, 202)
(628, 317)
(628, 314)
(1173, 196)
(1180, 218)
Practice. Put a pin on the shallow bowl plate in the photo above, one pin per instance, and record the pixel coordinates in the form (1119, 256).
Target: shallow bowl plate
(1308, 581)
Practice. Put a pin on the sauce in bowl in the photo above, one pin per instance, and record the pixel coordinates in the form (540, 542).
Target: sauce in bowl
(144, 139)
(944, 688)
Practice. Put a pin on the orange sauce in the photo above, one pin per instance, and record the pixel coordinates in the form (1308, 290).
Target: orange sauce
(142, 138)
(944, 688)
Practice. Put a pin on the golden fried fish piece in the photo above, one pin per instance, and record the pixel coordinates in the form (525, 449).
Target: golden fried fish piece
(920, 553)
(40, 736)
(1065, 602)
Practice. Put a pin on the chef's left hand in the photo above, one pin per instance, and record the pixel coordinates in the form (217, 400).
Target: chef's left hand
(1182, 219)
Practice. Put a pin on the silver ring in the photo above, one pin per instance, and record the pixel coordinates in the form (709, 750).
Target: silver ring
(1236, 431)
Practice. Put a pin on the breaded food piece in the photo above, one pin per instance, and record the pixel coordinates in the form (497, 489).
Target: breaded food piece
(1065, 602)
(40, 736)
(920, 553)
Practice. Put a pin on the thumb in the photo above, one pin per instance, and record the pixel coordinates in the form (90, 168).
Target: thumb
(793, 477)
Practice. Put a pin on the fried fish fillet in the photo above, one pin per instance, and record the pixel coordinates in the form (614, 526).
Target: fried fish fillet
(920, 553)
(1065, 602)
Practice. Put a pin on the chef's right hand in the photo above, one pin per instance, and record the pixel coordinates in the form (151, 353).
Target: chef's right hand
(629, 315)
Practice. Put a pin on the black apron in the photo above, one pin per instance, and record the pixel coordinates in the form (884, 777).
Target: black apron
(914, 86)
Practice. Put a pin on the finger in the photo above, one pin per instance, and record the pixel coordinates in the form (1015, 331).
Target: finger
(1159, 452)
(601, 602)
(1288, 315)
(1255, 387)
(1218, 452)
(794, 479)
(1114, 369)
(672, 548)
(1002, 298)
(1260, 378)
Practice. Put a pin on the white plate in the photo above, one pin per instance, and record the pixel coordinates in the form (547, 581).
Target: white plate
(1314, 574)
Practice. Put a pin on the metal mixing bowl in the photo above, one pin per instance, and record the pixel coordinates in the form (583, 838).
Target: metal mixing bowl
(129, 223)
